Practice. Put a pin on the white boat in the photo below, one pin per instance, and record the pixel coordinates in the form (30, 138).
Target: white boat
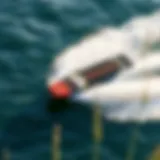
(112, 67)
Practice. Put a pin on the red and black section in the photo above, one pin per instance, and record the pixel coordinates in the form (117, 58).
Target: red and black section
(96, 74)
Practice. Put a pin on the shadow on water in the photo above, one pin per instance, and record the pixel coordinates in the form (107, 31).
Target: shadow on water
(28, 134)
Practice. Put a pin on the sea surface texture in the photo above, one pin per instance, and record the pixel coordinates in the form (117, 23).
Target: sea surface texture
(32, 32)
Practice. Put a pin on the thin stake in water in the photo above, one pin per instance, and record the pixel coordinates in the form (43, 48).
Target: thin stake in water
(56, 140)
(6, 154)
(97, 132)
(156, 154)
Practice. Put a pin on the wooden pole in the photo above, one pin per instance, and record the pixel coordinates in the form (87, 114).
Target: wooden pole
(56, 141)
(156, 154)
(97, 132)
(6, 154)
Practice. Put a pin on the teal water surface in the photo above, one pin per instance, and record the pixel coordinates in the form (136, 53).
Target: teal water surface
(31, 33)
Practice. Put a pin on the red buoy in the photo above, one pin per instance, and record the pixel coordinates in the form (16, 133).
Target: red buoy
(60, 90)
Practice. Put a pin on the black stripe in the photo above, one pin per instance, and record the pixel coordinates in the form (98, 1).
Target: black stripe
(105, 70)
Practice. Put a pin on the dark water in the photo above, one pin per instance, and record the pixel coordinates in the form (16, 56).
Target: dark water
(31, 33)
